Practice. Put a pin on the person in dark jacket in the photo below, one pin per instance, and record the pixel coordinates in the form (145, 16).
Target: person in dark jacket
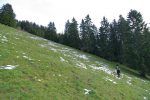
(118, 71)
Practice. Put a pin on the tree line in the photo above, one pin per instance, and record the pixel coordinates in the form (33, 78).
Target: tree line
(126, 40)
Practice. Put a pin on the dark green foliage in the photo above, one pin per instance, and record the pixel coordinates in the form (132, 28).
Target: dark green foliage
(66, 33)
(74, 34)
(125, 41)
(125, 38)
(32, 28)
(88, 33)
(60, 38)
(146, 50)
(102, 40)
(71, 34)
(114, 42)
(137, 26)
(50, 34)
(7, 16)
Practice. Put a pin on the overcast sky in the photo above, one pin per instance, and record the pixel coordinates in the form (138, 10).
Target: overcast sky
(59, 11)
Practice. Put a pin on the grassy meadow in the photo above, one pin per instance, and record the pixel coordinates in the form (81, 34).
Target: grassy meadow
(32, 68)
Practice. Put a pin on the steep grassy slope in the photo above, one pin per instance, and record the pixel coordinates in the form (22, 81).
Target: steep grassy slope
(32, 68)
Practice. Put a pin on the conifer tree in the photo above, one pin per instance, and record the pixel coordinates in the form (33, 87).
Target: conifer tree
(71, 35)
(146, 51)
(114, 42)
(51, 33)
(87, 33)
(66, 33)
(125, 38)
(104, 31)
(74, 34)
(136, 25)
(7, 16)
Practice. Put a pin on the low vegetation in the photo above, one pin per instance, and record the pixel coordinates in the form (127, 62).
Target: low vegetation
(125, 40)
(37, 69)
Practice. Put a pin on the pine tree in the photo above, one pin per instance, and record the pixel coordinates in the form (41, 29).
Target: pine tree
(66, 33)
(93, 36)
(102, 44)
(88, 32)
(114, 42)
(146, 51)
(71, 35)
(137, 26)
(51, 33)
(7, 16)
(74, 40)
(32, 28)
(125, 38)
(82, 34)
(67, 25)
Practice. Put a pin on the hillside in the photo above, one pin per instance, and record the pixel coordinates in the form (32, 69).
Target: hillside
(32, 68)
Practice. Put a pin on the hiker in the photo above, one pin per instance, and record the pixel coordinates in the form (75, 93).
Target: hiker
(118, 71)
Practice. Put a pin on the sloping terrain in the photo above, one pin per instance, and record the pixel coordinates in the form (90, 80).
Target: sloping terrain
(32, 68)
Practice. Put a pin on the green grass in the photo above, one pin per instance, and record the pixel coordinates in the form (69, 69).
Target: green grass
(49, 71)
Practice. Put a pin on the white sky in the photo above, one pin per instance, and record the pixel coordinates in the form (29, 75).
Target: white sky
(59, 11)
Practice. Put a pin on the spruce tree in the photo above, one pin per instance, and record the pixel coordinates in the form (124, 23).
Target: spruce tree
(137, 26)
(51, 34)
(88, 32)
(66, 33)
(104, 31)
(74, 34)
(146, 51)
(125, 38)
(114, 42)
(82, 34)
(71, 34)
(7, 16)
